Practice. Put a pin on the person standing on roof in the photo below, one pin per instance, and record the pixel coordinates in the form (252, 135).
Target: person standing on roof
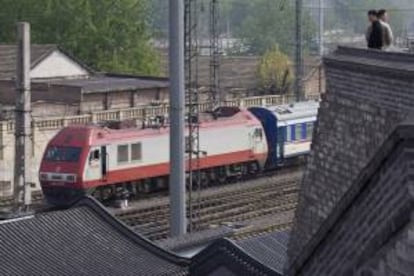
(374, 32)
(387, 35)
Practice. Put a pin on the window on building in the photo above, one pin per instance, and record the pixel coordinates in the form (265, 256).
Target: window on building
(123, 155)
(309, 131)
(298, 131)
(136, 152)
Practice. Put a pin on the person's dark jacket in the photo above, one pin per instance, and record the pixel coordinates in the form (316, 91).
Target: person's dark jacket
(375, 40)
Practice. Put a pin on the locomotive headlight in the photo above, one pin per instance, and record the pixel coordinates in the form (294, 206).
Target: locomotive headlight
(43, 176)
(71, 178)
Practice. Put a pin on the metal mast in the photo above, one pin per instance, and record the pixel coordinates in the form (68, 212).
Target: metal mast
(321, 26)
(299, 52)
(192, 99)
(215, 94)
(23, 146)
(177, 126)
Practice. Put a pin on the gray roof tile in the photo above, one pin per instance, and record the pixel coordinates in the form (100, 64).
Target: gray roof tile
(8, 55)
(84, 240)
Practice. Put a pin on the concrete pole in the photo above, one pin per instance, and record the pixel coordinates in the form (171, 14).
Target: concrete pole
(177, 126)
(321, 26)
(23, 147)
(299, 53)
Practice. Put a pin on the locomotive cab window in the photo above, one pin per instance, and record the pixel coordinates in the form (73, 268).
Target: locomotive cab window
(136, 152)
(123, 154)
(63, 154)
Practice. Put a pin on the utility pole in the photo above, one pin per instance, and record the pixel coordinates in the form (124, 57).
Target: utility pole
(321, 39)
(191, 53)
(321, 26)
(23, 147)
(216, 95)
(177, 127)
(299, 52)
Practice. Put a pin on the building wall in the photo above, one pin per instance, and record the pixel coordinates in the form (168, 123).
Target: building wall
(370, 232)
(315, 82)
(368, 94)
(58, 65)
(40, 92)
(122, 99)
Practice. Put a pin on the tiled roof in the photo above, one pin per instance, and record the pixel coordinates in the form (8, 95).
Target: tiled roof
(109, 83)
(196, 239)
(270, 249)
(83, 240)
(230, 257)
(8, 54)
(369, 227)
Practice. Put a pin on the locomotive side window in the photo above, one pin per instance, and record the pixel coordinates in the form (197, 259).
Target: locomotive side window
(258, 133)
(123, 154)
(94, 156)
(136, 152)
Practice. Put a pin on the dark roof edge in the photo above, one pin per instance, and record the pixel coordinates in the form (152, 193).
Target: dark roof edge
(402, 133)
(374, 54)
(77, 60)
(201, 238)
(52, 48)
(127, 231)
(229, 247)
(122, 75)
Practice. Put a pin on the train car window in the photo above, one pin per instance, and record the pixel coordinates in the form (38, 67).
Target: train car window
(64, 154)
(123, 154)
(136, 152)
(292, 132)
(309, 132)
(304, 131)
(298, 131)
(288, 134)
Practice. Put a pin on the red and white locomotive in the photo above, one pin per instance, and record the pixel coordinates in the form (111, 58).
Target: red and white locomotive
(97, 160)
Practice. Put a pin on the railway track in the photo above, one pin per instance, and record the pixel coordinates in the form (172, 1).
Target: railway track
(5, 202)
(244, 203)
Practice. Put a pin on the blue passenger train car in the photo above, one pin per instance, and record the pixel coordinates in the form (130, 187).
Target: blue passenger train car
(288, 130)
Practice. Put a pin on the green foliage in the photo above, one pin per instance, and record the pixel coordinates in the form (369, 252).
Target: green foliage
(108, 35)
(270, 22)
(352, 14)
(274, 72)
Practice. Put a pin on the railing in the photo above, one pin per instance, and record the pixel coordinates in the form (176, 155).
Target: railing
(143, 112)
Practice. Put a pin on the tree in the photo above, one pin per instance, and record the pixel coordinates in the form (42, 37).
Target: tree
(352, 14)
(110, 35)
(274, 72)
(270, 22)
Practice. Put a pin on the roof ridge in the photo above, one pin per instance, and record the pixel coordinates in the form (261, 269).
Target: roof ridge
(225, 245)
(124, 229)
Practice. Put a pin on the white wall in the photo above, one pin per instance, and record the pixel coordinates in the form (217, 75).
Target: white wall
(56, 65)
